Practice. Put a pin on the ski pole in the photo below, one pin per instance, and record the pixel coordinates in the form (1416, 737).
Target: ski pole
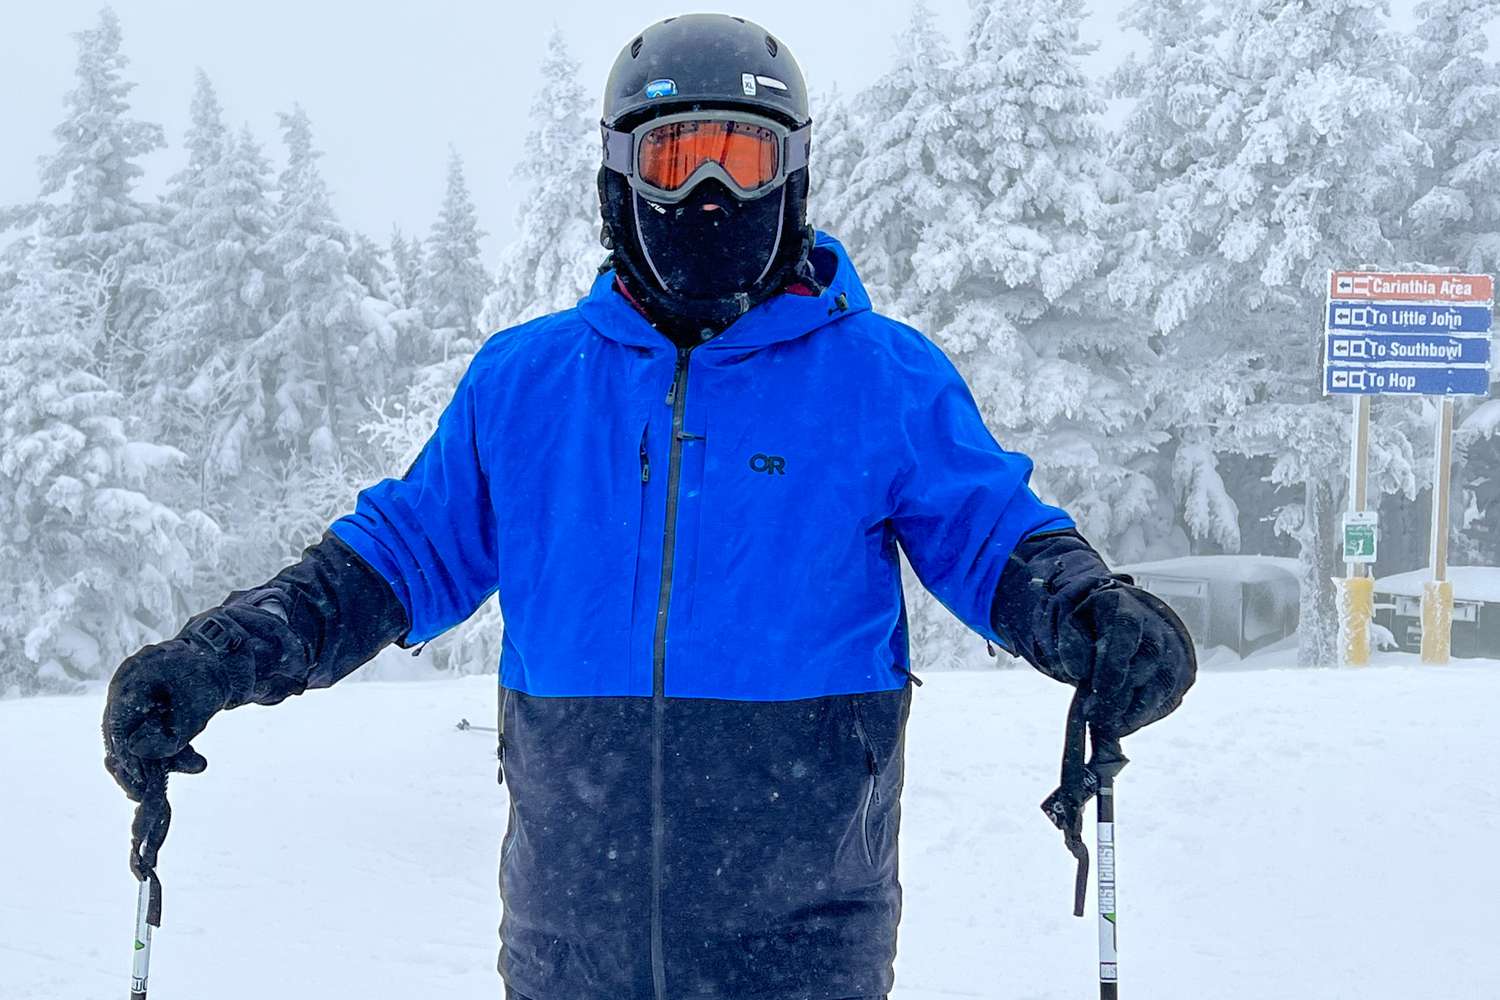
(1106, 763)
(464, 726)
(1083, 780)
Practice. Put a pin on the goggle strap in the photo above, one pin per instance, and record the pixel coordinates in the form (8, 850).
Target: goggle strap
(619, 151)
(798, 148)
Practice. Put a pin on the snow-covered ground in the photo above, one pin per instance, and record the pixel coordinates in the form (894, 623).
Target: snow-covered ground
(1290, 835)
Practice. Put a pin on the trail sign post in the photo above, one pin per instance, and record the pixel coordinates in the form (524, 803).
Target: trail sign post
(1407, 334)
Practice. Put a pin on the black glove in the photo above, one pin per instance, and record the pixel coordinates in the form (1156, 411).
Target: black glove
(1059, 607)
(1140, 658)
(310, 625)
(164, 695)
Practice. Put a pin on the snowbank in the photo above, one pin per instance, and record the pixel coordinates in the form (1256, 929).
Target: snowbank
(1235, 569)
(1470, 583)
(1291, 834)
(1485, 420)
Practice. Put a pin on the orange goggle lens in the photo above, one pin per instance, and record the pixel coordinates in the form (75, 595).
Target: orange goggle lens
(671, 154)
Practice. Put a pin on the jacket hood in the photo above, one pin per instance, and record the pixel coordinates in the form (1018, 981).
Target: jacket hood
(783, 317)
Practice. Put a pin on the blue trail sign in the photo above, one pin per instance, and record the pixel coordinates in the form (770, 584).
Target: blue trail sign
(1400, 317)
(1341, 380)
(1405, 349)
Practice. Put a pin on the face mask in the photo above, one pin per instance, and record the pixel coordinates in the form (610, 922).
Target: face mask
(710, 246)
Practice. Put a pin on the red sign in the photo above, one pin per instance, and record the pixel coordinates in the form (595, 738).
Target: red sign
(1375, 286)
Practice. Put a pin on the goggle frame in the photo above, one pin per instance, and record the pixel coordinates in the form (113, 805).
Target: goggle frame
(622, 154)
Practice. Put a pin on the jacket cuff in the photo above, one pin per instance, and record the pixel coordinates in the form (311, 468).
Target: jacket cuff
(1048, 575)
(325, 615)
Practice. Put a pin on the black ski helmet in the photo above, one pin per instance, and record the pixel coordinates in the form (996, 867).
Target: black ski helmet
(702, 62)
(705, 60)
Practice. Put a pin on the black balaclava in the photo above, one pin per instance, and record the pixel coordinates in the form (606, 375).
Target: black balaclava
(694, 271)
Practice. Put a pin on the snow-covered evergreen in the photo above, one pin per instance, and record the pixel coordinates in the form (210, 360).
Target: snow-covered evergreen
(899, 186)
(92, 563)
(98, 226)
(1006, 274)
(454, 284)
(553, 258)
(839, 143)
(1456, 218)
(310, 350)
(205, 392)
(406, 259)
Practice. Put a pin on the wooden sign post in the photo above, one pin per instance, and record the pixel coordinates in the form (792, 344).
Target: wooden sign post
(1437, 593)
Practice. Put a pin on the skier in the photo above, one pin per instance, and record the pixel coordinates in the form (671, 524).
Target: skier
(689, 491)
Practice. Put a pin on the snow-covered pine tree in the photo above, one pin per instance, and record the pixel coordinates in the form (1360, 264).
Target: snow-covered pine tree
(397, 340)
(205, 141)
(1178, 84)
(99, 228)
(555, 254)
(838, 144)
(311, 352)
(1006, 274)
(407, 265)
(1270, 142)
(454, 284)
(205, 393)
(900, 184)
(91, 566)
(1455, 221)
(369, 266)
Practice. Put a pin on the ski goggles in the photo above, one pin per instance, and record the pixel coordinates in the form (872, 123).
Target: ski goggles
(665, 158)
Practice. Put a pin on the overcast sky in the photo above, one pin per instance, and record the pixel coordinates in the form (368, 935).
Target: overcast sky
(389, 84)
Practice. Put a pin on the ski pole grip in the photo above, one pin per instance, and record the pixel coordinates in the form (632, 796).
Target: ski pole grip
(1107, 759)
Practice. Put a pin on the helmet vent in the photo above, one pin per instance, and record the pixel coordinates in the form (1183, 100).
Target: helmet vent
(635, 47)
(771, 46)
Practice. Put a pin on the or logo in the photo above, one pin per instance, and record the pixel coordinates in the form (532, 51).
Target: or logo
(661, 88)
(772, 82)
(747, 80)
(771, 465)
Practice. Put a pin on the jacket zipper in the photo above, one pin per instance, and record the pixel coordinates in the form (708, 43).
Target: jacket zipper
(872, 789)
(677, 399)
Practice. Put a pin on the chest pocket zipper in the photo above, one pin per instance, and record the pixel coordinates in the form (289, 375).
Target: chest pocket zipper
(872, 787)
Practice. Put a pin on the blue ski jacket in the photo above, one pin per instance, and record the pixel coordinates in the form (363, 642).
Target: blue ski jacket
(705, 675)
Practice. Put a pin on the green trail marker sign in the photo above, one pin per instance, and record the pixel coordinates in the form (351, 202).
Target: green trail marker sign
(1361, 536)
